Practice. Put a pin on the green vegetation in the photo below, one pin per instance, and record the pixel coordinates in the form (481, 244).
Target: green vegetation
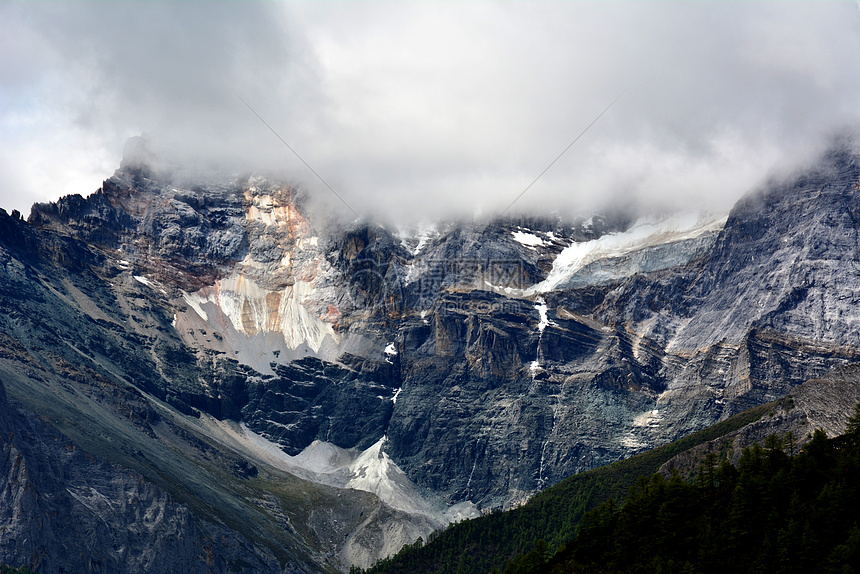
(772, 513)
(9, 570)
(548, 521)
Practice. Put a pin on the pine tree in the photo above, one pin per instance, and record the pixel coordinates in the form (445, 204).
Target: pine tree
(853, 430)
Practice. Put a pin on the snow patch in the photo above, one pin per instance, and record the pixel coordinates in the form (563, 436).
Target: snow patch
(390, 352)
(194, 302)
(396, 394)
(643, 234)
(425, 233)
(144, 280)
(588, 224)
(414, 239)
(149, 283)
(541, 307)
(528, 239)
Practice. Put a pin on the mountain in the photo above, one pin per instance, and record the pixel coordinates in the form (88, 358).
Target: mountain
(549, 522)
(332, 390)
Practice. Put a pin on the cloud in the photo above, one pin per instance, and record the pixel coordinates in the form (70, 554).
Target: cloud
(421, 109)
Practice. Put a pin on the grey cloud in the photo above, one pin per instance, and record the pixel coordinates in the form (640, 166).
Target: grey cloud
(421, 109)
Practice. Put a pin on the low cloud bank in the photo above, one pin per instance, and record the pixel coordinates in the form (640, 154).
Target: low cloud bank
(431, 109)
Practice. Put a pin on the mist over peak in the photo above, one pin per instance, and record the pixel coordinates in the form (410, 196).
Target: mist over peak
(426, 110)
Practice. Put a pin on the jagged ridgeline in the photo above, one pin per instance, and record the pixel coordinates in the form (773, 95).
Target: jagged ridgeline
(329, 391)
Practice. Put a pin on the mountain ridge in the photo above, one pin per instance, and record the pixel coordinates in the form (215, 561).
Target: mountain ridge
(166, 298)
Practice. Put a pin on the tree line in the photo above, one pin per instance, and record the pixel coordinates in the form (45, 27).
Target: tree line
(776, 511)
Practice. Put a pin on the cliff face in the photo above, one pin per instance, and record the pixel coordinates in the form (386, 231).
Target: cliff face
(771, 305)
(785, 261)
(91, 344)
(596, 369)
(176, 322)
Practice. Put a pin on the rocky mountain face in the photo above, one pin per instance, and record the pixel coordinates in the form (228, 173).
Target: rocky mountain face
(771, 305)
(61, 510)
(344, 388)
(825, 403)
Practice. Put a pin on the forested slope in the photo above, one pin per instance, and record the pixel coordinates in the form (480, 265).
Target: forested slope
(773, 512)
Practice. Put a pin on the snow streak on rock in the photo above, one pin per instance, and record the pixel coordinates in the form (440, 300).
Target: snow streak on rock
(643, 235)
(527, 239)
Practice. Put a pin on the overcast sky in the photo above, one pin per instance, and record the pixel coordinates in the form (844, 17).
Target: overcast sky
(424, 108)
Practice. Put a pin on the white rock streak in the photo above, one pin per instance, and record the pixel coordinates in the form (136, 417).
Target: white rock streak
(253, 310)
(237, 303)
